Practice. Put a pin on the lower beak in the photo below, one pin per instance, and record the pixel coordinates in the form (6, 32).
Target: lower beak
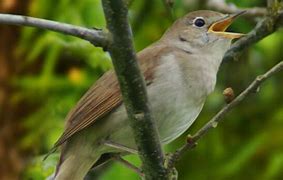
(219, 27)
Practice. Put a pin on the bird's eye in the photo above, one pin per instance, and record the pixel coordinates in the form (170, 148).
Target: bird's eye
(199, 22)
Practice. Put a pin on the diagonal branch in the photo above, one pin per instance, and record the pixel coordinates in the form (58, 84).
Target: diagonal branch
(267, 26)
(191, 141)
(221, 5)
(96, 37)
(128, 165)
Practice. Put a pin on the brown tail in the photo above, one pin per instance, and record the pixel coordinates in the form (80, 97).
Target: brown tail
(75, 161)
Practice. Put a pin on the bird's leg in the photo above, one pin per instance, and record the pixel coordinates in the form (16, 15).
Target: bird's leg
(120, 147)
(128, 165)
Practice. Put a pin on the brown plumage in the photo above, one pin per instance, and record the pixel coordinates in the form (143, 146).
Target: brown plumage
(104, 96)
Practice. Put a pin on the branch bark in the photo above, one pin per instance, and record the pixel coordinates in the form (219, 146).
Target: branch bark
(134, 90)
(252, 88)
(96, 37)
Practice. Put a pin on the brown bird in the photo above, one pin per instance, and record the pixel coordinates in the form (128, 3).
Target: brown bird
(180, 71)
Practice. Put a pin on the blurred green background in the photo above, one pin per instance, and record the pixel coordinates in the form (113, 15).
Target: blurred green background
(43, 74)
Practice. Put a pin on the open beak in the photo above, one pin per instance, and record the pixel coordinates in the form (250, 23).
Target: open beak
(219, 27)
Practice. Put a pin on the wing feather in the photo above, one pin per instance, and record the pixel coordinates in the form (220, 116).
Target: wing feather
(104, 96)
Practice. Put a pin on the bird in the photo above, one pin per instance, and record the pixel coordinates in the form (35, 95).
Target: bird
(180, 71)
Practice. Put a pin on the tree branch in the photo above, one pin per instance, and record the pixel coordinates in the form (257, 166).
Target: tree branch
(221, 5)
(264, 28)
(96, 37)
(134, 90)
(252, 88)
(128, 165)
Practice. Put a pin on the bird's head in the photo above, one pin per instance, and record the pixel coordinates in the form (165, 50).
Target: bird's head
(200, 29)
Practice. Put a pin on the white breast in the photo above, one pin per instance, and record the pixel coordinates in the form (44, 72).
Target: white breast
(173, 98)
(176, 95)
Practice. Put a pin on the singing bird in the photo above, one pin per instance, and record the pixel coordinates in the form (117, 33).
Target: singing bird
(180, 71)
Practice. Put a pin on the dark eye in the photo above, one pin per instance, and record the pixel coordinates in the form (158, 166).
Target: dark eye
(199, 22)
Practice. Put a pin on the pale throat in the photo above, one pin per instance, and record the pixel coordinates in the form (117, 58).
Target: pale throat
(210, 48)
(200, 65)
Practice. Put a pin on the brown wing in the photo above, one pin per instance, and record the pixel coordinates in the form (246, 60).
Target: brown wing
(99, 100)
(104, 96)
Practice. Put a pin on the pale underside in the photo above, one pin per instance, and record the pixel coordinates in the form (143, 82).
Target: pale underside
(175, 105)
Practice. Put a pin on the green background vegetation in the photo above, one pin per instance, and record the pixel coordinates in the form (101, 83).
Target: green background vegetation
(56, 70)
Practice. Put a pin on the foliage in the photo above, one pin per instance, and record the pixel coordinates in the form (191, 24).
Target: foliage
(59, 69)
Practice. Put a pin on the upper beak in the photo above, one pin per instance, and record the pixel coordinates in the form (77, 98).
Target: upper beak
(219, 27)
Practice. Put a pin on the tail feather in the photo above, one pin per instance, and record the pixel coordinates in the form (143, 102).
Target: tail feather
(61, 159)
(75, 161)
(74, 167)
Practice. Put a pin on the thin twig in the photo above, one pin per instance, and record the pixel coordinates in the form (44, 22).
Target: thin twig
(128, 165)
(267, 26)
(120, 147)
(253, 87)
(96, 37)
(221, 5)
